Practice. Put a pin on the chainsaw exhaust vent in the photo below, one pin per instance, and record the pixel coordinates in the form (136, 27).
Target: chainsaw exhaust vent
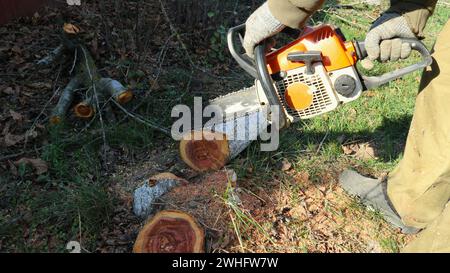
(323, 34)
(324, 99)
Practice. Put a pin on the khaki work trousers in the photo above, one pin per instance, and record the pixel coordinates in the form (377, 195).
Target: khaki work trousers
(419, 187)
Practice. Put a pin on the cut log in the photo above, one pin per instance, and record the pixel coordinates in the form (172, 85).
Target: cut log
(170, 231)
(65, 100)
(212, 148)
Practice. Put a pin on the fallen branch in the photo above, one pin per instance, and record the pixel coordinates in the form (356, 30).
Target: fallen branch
(86, 77)
(53, 56)
(116, 90)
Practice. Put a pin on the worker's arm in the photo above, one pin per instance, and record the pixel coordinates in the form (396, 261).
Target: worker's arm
(416, 12)
(294, 13)
(404, 19)
(273, 16)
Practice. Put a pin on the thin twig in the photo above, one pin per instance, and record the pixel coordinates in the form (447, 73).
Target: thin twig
(236, 230)
(96, 99)
(6, 157)
(143, 121)
(74, 62)
(346, 21)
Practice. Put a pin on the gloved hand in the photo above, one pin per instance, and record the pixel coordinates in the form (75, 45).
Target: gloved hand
(259, 26)
(388, 29)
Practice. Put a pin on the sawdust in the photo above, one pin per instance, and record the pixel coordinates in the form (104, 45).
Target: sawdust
(300, 214)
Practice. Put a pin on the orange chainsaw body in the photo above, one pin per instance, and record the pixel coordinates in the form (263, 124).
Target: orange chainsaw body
(336, 54)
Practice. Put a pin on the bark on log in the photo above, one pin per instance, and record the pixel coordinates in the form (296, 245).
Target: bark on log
(116, 90)
(170, 231)
(151, 190)
(53, 56)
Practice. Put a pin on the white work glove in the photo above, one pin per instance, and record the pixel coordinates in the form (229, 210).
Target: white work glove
(260, 26)
(388, 29)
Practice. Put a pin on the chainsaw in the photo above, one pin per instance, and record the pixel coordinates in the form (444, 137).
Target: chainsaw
(309, 76)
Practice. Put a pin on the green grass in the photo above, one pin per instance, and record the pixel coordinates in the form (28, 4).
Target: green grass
(44, 213)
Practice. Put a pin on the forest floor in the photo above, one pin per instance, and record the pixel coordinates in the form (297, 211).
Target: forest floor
(69, 183)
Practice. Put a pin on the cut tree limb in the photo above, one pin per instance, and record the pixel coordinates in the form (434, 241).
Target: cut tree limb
(84, 109)
(170, 231)
(116, 90)
(53, 56)
(87, 77)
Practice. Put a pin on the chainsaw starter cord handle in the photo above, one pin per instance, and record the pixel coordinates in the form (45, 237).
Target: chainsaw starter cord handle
(371, 82)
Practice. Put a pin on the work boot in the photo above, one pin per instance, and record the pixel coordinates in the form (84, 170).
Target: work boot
(372, 193)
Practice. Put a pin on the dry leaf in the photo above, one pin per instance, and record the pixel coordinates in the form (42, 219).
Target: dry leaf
(11, 140)
(38, 164)
(349, 149)
(13, 169)
(285, 165)
(71, 28)
(365, 152)
(40, 85)
(8, 91)
(6, 128)
(18, 60)
(16, 50)
(362, 151)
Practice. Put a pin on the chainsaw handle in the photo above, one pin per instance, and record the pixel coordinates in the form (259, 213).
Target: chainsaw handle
(256, 68)
(266, 82)
(375, 81)
(244, 61)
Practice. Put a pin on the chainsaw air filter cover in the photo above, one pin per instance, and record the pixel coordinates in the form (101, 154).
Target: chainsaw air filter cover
(314, 98)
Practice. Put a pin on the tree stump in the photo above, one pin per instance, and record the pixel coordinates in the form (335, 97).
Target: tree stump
(170, 231)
